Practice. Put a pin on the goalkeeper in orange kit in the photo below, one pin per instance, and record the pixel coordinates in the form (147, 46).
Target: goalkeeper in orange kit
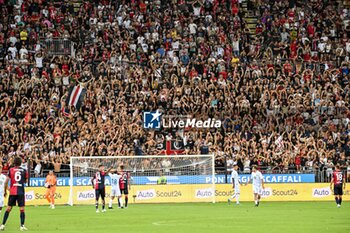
(50, 184)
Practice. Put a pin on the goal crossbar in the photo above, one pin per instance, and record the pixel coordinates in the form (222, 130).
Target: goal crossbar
(143, 156)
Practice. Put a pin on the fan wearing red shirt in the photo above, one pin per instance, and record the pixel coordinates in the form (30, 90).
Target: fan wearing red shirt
(5, 168)
(143, 7)
(310, 30)
(193, 73)
(287, 68)
(338, 184)
(17, 176)
(259, 28)
(234, 9)
(307, 56)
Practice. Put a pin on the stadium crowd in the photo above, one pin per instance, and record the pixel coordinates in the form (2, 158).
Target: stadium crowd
(282, 91)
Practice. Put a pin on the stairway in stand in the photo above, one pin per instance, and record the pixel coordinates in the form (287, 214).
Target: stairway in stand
(346, 3)
(250, 17)
(77, 4)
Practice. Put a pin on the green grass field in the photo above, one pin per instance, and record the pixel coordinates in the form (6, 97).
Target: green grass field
(269, 217)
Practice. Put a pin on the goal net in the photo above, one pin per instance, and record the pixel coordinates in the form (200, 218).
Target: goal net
(153, 179)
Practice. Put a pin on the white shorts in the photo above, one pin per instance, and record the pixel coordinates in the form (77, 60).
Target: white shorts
(2, 201)
(115, 192)
(237, 189)
(257, 189)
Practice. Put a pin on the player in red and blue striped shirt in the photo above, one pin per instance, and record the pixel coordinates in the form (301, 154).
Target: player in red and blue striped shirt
(338, 183)
(17, 176)
(98, 183)
(124, 184)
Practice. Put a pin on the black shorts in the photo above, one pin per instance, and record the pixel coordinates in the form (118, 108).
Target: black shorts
(124, 191)
(19, 199)
(338, 189)
(100, 192)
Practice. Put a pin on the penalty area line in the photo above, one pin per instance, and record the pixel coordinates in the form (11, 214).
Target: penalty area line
(165, 223)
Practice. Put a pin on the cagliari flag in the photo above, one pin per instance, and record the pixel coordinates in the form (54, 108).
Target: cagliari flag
(279, 142)
(173, 147)
(76, 96)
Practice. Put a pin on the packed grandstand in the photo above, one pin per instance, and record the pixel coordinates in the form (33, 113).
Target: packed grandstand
(275, 73)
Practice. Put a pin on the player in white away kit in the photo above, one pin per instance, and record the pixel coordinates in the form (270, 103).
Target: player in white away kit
(115, 190)
(235, 184)
(257, 180)
(2, 189)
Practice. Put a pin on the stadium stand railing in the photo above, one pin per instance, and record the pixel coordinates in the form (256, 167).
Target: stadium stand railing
(58, 46)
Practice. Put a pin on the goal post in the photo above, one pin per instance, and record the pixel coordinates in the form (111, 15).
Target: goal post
(154, 179)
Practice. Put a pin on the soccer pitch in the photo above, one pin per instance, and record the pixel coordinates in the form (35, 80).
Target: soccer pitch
(278, 217)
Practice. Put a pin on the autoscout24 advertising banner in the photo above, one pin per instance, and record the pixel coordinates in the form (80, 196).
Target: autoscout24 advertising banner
(190, 193)
(272, 192)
